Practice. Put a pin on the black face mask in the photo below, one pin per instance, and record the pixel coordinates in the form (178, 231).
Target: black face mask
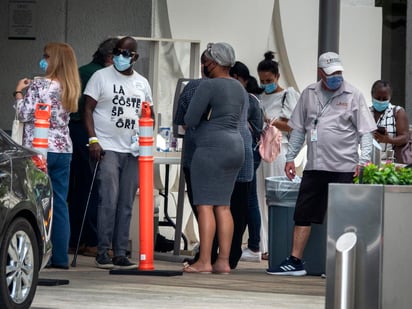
(206, 71)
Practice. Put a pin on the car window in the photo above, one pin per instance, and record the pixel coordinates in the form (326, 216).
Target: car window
(5, 144)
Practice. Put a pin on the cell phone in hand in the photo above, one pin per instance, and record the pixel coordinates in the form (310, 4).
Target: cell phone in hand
(381, 130)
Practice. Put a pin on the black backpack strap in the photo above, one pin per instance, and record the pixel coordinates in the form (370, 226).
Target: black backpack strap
(284, 98)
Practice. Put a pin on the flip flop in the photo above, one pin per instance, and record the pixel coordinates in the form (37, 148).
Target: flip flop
(191, 270)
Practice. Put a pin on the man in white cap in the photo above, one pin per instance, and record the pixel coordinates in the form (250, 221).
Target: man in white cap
(334, 117)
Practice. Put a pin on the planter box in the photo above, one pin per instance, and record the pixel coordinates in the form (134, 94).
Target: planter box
(381, 218)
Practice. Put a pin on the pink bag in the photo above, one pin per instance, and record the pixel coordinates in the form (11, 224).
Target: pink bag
(270, 143)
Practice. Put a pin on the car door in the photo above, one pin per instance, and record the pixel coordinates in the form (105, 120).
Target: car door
(5, 185)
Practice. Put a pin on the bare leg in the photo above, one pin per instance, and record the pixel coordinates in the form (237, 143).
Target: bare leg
(224, 223)
(300, 238)
(207, 229)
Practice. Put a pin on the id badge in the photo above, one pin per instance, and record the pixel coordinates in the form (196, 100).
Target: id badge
(314, 135)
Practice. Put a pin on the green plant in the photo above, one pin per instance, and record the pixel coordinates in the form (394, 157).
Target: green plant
(387, 174)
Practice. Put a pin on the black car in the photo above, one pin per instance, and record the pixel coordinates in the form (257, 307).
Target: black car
(26, 210)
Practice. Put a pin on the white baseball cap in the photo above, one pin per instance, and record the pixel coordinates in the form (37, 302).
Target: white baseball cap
(330, 62)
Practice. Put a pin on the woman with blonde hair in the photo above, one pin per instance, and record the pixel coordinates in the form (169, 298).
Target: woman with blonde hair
(60, 88)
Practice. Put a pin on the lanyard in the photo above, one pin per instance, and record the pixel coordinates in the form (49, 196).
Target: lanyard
(321, 111)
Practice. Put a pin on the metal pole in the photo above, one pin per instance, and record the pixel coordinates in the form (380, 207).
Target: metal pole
(328, 32)
(74, 262)
(345, 271)
(179, 210)
(329, 21)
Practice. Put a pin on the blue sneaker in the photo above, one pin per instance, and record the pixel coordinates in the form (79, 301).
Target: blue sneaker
(288, 268)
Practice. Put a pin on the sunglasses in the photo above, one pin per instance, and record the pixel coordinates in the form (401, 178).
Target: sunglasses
(124, 52)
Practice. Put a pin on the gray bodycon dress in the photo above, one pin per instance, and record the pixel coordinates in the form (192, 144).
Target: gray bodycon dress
(219, 150)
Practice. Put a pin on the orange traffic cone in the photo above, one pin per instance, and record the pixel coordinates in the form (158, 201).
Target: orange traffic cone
(146, 183)
(41, 128)
(146, 209)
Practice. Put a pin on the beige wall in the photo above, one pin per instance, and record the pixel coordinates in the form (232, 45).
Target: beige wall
(252, 33)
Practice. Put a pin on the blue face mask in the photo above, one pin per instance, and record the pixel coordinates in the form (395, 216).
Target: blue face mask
(269, 88)
(43, 64)
(334, 82)
(121, 63)
(380, 106)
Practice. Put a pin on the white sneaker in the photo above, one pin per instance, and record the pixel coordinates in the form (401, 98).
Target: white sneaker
(250, 256)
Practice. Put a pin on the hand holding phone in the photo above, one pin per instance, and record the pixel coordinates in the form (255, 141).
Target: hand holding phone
(381, 130)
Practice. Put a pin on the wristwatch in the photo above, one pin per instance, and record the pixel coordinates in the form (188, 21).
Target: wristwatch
(16, 92)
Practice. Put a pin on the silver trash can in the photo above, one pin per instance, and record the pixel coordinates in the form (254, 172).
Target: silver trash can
(281, 195)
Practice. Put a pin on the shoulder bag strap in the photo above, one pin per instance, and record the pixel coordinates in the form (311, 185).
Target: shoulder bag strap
(284, 98)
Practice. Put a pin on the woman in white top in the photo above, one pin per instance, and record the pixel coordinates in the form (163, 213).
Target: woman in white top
(278, 104)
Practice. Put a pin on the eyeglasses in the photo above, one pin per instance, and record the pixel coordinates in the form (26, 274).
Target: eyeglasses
(124, 52)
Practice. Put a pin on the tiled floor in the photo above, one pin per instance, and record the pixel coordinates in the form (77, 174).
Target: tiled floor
(246, 287)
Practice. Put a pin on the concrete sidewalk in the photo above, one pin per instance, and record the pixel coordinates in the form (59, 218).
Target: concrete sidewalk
(246, 287)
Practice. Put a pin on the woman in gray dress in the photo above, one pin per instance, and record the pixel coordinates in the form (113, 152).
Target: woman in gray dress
(215, 112)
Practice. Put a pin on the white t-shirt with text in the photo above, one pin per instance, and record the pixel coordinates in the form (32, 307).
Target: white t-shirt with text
(119, 104)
